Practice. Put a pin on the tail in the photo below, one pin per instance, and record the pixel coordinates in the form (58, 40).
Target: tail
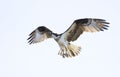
(70, 51)
(74, 50)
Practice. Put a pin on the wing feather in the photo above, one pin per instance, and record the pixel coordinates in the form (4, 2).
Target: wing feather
(84, 25)
(39, 35)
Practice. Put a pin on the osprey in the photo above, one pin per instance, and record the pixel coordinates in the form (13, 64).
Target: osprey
(71, 34)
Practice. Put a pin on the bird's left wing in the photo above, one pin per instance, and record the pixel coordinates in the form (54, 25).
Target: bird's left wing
(39, 35)
(84, 25)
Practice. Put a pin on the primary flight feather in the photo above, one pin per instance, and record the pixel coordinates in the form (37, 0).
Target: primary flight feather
(71, 34)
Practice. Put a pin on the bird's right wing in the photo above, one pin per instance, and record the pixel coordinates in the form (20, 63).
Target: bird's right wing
(39, 35)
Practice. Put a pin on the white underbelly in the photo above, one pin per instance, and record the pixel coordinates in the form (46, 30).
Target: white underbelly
(63, 42)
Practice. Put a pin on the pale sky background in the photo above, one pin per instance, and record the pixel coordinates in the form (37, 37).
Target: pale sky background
(100, 54)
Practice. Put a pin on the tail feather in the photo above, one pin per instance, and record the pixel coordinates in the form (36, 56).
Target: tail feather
(70, 51)
(74, 50)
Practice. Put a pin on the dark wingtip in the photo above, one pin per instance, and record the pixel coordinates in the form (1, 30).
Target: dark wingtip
(29, 37)
(106, 22)
(100, 19)
(31, 33)
(106, 26)
(101, 30)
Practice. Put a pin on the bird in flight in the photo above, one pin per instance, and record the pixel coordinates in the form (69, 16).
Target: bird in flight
(67, 49)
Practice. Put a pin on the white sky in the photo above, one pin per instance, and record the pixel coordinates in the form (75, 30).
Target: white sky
(100, 55)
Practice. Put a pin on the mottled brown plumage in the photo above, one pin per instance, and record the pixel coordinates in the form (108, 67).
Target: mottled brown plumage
(85, 25)
(71, 34)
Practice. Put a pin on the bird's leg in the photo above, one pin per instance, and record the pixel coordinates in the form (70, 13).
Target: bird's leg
(65, 53)
(60, 52)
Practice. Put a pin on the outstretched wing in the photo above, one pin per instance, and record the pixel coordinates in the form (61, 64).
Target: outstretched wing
(39, 34)
(84, 25)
